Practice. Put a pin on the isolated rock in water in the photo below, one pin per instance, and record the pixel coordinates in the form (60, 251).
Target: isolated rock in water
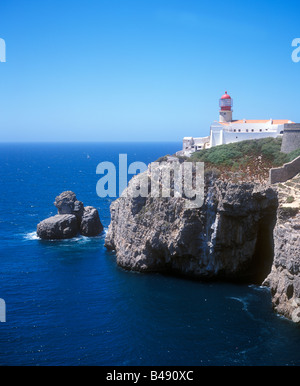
(67, 203)
(90, 223)
(63, 226)
(72, 218)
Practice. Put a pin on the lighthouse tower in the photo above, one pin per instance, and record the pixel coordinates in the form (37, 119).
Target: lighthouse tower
(225, 108)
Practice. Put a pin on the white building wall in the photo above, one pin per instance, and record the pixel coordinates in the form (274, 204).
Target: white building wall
(237, 137)
(215, 137)
(229, 133)
(187, 143)
(190, 145)
(224, 134)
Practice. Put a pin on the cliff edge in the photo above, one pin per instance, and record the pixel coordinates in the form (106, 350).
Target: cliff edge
(229, 237)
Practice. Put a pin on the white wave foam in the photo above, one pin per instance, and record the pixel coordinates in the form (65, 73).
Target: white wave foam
(31, 236)
(245, 306)
(80, 239)
(241, 300)
(258, 287)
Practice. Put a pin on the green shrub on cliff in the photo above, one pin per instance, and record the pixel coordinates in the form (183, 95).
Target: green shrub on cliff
(290, 199)
(294, 154)
(239, 154)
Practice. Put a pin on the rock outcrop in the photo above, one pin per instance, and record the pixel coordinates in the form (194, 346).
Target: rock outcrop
(67, 203)
(58, 227)
(230, 236)
(90, 222)
(284, 279)
(72, 218)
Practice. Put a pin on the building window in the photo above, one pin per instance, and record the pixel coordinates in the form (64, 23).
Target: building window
(252, 130)
(247, 130)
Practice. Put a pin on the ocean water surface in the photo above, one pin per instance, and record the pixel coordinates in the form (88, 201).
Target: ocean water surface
(68, 303)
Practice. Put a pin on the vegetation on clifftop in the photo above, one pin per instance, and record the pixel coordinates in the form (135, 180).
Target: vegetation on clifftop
(238, 153)
(250, 159)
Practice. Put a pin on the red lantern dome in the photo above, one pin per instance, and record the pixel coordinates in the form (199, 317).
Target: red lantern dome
(226, 102)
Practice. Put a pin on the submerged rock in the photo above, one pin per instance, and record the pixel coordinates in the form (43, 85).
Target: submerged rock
(73, 218)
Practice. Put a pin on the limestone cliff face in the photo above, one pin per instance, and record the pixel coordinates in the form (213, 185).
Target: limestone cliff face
(284, 279)
(230, 236)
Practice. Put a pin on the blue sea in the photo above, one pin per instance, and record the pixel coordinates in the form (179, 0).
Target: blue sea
(68, 303)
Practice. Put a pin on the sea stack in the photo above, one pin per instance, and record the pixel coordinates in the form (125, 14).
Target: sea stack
(72, 219)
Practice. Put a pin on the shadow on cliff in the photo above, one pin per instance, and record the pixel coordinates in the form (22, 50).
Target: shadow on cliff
(263, 257)
(255, 270)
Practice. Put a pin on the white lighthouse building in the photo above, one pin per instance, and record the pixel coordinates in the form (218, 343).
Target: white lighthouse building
(227, 130)
(226, 104)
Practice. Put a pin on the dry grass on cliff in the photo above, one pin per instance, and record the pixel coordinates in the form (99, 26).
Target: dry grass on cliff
(289, 193)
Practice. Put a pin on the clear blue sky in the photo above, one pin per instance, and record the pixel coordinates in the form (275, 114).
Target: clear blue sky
(143, 70)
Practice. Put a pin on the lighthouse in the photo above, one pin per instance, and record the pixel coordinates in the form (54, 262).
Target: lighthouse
(225, 108)
(226, 130)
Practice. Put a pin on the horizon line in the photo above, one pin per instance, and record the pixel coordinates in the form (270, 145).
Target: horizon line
(78, 142)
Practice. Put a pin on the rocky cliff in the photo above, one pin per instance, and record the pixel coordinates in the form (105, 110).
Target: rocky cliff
(245, 231)
(230, 236)
(284, 279)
